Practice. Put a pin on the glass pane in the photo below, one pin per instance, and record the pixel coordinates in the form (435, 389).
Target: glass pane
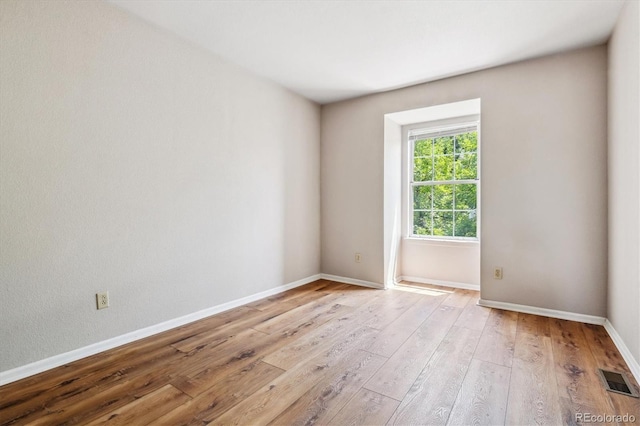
(443, 223)
(422, 148)
(443, 145)
(466, 166)
(466, 224)
(422, 223)
(467, 142)
(422, 169)
(443, 197)
(443, 167)
(465, 196)
(422, 196)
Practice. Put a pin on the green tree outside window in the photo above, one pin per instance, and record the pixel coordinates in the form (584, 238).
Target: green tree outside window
(444, 185)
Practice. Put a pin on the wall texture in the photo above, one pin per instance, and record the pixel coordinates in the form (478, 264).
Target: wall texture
(441, 261)
(624, 178)
(544, 179)
(134, 162)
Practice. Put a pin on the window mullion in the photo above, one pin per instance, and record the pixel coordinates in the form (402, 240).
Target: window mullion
(443, 182)
(453, 211)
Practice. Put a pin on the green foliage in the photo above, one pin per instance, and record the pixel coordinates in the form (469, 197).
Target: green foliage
(467, 143)
(445, 209)
(423, 169)
(466, 224)
(465, 196)
(466, 166)
(443, 197)
(422, 223)
(444, 145)
(423, 148)
(422, 197)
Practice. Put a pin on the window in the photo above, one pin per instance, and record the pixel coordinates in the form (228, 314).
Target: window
(443, 182)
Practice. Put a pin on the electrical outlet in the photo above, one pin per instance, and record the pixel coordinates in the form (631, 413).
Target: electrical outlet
(358, 257)
(497, 273)
(102, 300)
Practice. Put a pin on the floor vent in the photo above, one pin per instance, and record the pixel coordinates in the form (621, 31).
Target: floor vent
(617, 382)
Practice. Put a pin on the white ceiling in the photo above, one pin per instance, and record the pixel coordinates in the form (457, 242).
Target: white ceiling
(334, 50)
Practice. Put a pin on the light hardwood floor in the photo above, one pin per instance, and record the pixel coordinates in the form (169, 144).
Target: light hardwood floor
(329, 353)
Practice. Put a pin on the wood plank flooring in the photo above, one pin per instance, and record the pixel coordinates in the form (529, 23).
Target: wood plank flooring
(334, 354)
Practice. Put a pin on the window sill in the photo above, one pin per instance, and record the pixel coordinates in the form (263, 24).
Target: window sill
(442, 242)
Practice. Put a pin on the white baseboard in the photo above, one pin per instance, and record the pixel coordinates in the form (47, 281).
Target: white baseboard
(351, 281)
(632, 363)
(453, 284)
(76, 354)
(552, 313)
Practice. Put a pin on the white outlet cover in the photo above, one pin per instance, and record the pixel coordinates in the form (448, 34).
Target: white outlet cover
(102, 300)
(497, 273)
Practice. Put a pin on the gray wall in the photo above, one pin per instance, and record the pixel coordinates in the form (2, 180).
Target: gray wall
(544, 179)
(624, 178)
(134, 162)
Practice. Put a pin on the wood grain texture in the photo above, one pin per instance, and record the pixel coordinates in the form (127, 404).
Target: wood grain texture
(271, 400)
(82, 378)
(303, 313)
(354, 296)
(432, 395)
(217, 396)
(324, 400)
(482, 399)
(473, 316)
(94, 396)
(344, 328)
(398, 374)
(330, 353)
(75, 378)
(607, 357)
(579, 386)
(533, 326)
(99, 401)
(146, 409)
(498, 338)
(382, 311)
(366, 408)
(234, 353)
(533, 396)
(396, 333)
(432, 289)
(295, 297)
(458, 298)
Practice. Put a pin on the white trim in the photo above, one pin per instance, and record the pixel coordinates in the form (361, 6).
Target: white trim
(442, 241)
(21, 372)
(439, 112)
(33, 368)
(428, 130)
(453, 284)
(552, 313)
(352, 281)
(632, 363)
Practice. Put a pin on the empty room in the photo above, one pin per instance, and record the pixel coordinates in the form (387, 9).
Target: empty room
(319, 212)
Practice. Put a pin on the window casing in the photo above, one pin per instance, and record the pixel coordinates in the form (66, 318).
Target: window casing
(443, 182)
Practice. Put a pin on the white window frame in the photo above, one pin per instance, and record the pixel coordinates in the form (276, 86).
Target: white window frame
(432, 128)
